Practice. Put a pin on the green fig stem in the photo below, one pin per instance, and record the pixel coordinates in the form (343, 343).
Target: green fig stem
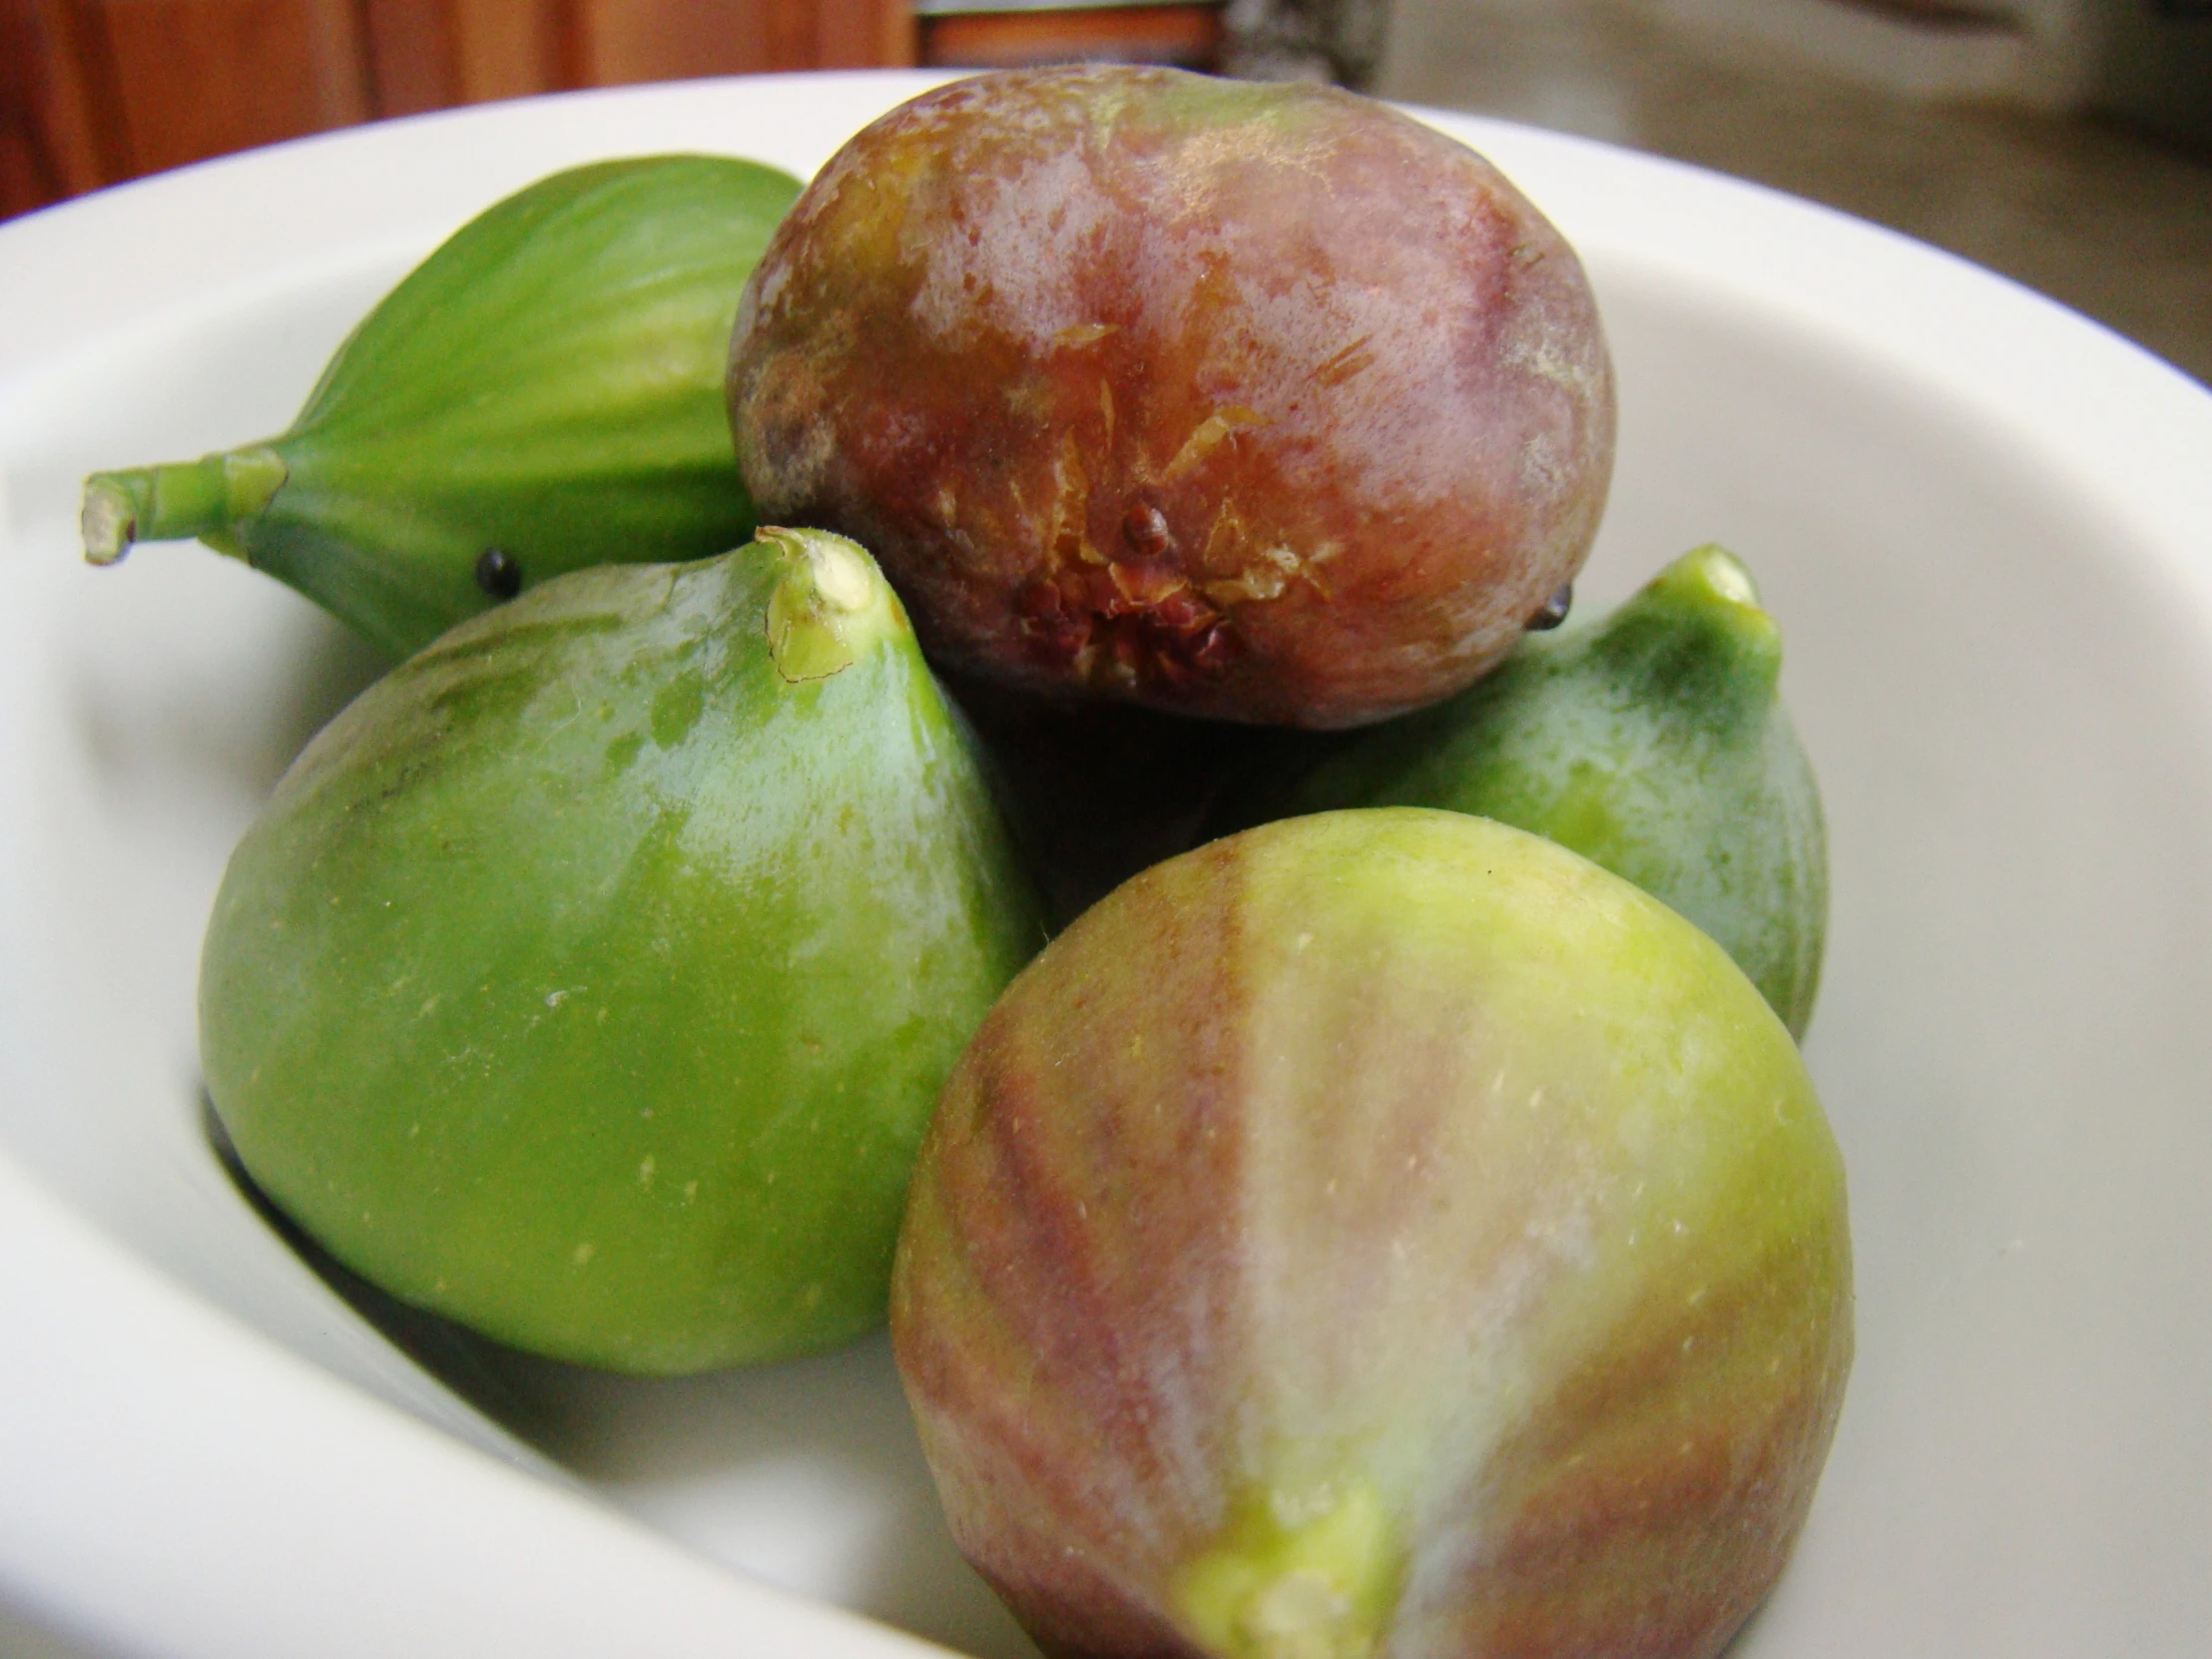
(177, 500)
(1310, 1576)
(828, 605)
(1700, 628)
(1713, 573)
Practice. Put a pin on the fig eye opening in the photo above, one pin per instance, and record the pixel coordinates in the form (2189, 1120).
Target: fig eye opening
(1145, 528)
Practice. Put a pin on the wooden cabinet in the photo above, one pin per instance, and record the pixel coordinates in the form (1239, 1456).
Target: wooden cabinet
(93, 92)
(1005, 34)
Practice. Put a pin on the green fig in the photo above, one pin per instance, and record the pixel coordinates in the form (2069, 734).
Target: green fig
(591, 977)
(1378, 1235)
(1654, 743)
(542, 393)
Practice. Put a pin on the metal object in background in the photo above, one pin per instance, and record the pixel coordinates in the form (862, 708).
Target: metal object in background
(1262, 39)
(1308, 40)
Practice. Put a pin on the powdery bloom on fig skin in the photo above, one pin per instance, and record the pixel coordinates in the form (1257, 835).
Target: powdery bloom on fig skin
(989, 276)
(1378, 436)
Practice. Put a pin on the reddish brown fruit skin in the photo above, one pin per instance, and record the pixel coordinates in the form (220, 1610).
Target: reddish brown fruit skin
(1260, 402)
(1081, 1313)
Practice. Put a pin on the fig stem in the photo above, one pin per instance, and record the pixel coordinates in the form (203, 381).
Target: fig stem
(1715, 573)
(177, 499)
(828, 606)
(1699, 630)
(1297, 1576)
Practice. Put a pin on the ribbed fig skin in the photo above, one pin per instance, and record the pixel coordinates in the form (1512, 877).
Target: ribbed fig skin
(542, 394)
(1262, 402)
(1389, 1155)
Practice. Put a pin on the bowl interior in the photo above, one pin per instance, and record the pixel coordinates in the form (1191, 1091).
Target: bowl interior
(2008, 693)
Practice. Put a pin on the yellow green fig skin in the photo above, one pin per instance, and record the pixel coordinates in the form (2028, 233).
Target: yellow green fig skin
(591, 978)
(1378, 1233)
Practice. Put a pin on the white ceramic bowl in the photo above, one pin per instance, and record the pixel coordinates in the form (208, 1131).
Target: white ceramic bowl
(1986, 528)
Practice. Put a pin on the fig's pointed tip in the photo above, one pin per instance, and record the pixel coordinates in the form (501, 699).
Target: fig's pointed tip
(840, 572)
(1306, 1576)
(828, 606)
(1709, 592)
(109, 521)
(1722, 573)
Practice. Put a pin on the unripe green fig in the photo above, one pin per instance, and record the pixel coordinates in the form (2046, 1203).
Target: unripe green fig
(542, 393)
(1382, 1233)
(591, 977)
(1260, 402)
(1654, 743)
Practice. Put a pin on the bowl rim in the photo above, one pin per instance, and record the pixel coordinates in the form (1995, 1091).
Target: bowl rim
(85, 1316)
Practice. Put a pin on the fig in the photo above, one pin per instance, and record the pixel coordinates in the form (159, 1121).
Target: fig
(591, 977)
(1377, 1232)
(542, 393)
(1262, 402)
(1655, 743)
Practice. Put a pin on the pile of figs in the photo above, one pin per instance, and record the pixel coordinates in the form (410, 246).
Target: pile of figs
(980, 744)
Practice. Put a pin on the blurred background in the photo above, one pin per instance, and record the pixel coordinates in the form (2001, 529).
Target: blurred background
(2064, 142)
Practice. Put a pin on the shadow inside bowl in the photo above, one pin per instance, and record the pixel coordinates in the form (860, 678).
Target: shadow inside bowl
(720, 1461)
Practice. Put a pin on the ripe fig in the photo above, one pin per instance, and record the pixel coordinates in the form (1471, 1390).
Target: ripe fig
(543, 392)
(1378, 1233)
(591, 977)
(1655, 743)
(1264, 402)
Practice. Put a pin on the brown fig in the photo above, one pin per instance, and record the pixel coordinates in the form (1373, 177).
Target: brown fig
(1383, 1232)
(1264, 402)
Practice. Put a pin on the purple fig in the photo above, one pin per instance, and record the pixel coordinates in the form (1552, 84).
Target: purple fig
(1380, 1233)
(1266, 403)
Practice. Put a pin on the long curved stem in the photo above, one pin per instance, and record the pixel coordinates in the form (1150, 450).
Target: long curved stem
(177, 500)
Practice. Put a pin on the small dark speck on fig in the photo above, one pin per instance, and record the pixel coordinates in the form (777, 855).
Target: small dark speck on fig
(498, 573)
(1553, 611)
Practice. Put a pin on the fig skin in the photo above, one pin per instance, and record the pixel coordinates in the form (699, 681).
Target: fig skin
(590, 979)
(543, 394)
(1655, 743)
(1380, 1233)
(1263, 403)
